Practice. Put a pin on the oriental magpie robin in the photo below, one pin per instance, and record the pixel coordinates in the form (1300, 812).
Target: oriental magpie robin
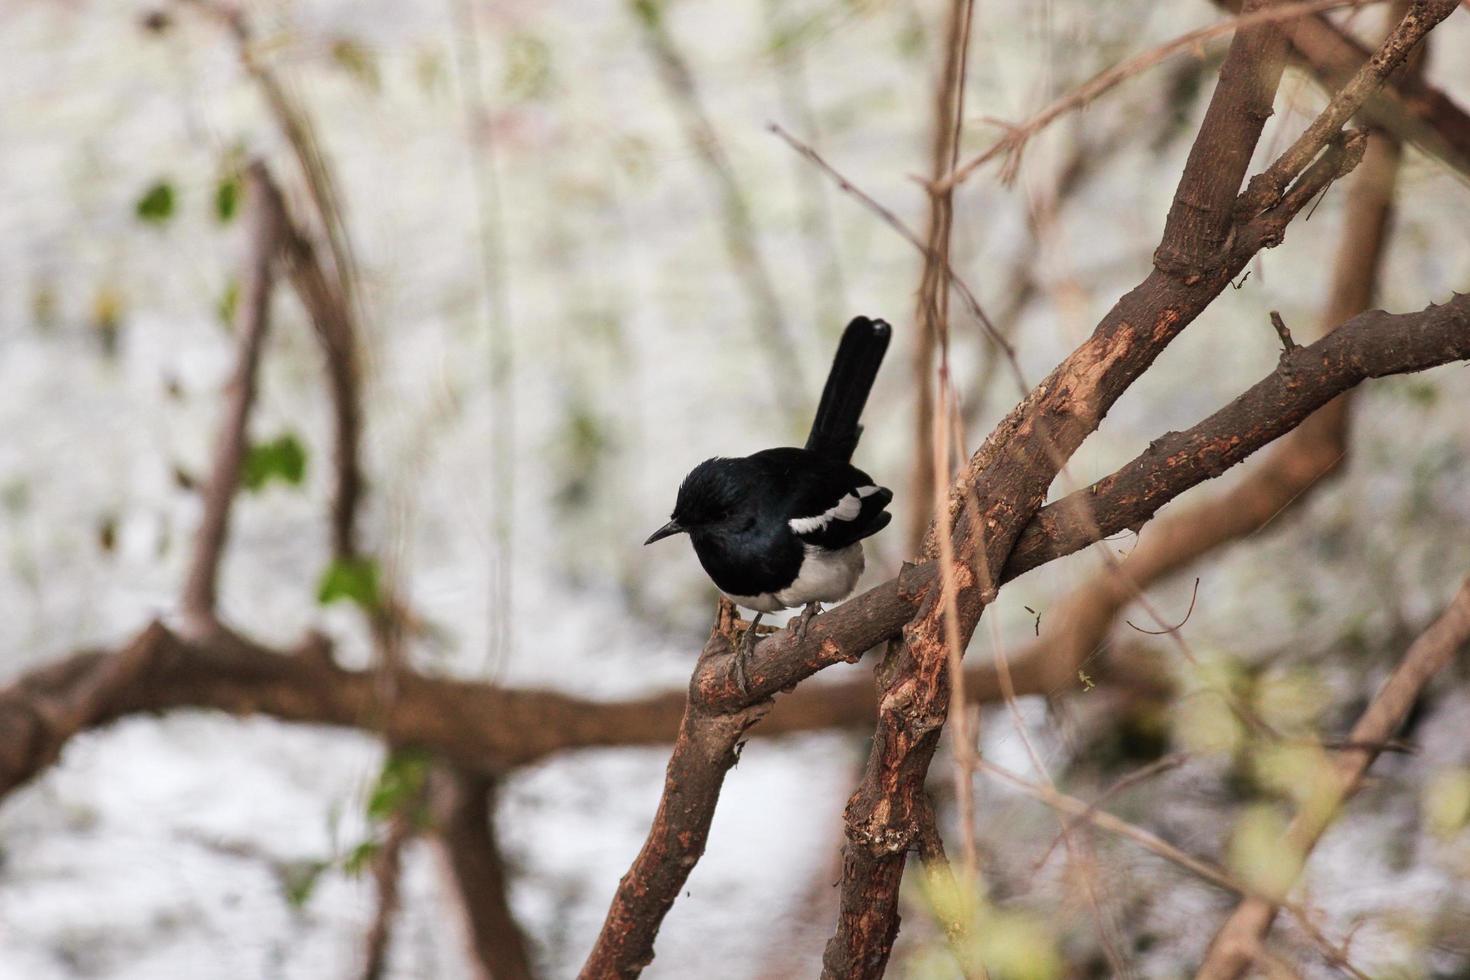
(783, 527)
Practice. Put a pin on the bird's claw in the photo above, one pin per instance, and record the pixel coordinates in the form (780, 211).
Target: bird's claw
(742, 651)
(800, 623)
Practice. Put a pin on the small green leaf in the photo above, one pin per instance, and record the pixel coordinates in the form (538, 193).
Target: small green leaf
(358, 61)
(227, 198)
(648, 11)
(399, 784)
(360, 857)
(228, 301)
(283, 458)
(528, 67)
(156, 205)
(350, 578)
(298, 881)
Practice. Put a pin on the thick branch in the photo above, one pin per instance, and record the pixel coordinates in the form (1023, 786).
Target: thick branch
(1266, 188)
(463, 806)
(1076, 625)
(252, 320)
(1005, 485)
(492, 729)
(1233, 948)
(1200, 216)
(1370, 345)
(704, 751)
(1406, 106)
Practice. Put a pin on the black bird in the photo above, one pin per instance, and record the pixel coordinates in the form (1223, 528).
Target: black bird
(784, 527)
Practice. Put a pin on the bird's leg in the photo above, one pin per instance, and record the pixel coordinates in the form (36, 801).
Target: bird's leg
(742, 650)
(800, 623)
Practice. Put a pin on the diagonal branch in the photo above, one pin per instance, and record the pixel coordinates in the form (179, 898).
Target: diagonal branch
(1372, 344)
(1266, 188)
(1078, 624)
(1008, 477)
(1406, 106)
(1233, 946)
(251, 322)
(1005, 485)
(490, 729)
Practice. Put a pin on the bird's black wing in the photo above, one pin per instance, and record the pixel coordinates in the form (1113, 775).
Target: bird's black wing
(826, 502)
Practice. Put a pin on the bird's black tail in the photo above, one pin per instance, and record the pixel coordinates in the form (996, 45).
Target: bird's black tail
(835, 430)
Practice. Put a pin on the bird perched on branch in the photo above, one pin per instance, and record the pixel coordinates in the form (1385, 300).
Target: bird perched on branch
(783, 528)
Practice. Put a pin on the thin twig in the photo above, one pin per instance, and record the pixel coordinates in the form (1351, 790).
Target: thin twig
(1427, 656)
(251, 322)
(1013, 143)
(1156, 845)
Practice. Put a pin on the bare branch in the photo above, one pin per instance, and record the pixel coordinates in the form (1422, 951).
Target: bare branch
(251, 322)
(1013, 143)
(1413, 111)
(1372, 344)
(463, 805)
(1231, 951)
(1266, 188)
(1156, 845)
(387, 869)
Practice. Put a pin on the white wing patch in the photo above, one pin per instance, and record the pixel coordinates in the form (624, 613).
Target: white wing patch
(849, 507)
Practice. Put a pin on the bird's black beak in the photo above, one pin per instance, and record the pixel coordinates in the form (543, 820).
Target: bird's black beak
(668, 530)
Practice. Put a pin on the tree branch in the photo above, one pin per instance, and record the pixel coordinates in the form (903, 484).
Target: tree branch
(1406, 106)
(251, 322)
(1266, 188)
(463, 807)
(1233, 946)
(491, 729)
(1370, 345)
(1005, 484)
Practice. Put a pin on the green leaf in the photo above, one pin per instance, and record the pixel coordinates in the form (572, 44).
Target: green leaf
(399, 784)
(298, 881)
(648, 11)
(227, 198)
(283, 458)
(156, 205)
(350, 578)
(360, 857)
(228, 300)
(528, 67)
(358, 61)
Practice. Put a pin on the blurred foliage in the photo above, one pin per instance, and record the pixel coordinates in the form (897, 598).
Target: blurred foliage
(228, 302)
(156, 205)
(358, 61)
(353, 579)
(227, 198)
(400, 783)
(107, 313)
(1007, 943)
(282, 459)
(1447, 802)
(1259, 852)
(528, 73)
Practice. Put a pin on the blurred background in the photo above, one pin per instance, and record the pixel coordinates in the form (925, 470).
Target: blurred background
(583, 264)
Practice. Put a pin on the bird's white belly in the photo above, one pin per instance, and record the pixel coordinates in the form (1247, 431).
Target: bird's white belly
(824, 576)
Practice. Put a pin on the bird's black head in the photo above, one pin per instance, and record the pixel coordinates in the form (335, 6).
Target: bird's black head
(717, 496)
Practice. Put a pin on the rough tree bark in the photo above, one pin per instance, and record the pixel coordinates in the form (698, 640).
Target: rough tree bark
(1208, 238)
